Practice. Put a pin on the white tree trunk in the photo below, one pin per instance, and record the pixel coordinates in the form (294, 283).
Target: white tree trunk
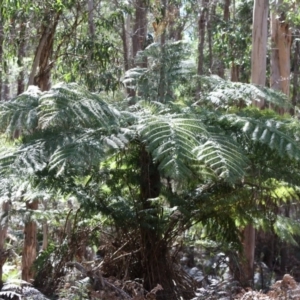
(281, 39)
(259, 45)
(258, 76)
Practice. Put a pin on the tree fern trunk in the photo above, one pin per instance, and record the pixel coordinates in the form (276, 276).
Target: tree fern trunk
(30, 244)
(153, 248)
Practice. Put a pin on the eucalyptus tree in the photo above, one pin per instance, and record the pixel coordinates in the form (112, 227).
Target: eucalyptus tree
(281, 37)
(258, 76)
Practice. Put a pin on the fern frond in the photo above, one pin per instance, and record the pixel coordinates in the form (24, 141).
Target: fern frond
(20, 114)
(171, 141)
(223, 157)
(271, 132)
(287, 229)
(166, 69)
(67, 105)
(88, 149)
(226, 93)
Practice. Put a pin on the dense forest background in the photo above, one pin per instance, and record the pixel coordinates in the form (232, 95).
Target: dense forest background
(148, 147)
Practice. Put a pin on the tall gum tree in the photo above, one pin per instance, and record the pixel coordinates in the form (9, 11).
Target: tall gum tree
(140, 26)
(258, 76)
(281, 42)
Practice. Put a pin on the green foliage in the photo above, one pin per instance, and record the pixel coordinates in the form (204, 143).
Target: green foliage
(206, 158)
(166, 69)
(224, 94)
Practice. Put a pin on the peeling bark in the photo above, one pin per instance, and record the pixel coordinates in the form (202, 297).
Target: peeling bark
(42, 64)
(281, 38)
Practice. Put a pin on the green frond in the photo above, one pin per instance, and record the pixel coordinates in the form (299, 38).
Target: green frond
(224, 93)
(287, 229)
(20, 114)
(7, 158)
(69, 105)
(167, 68)
(223, 157)
(273, 133)
(171, 140)
(85, 151)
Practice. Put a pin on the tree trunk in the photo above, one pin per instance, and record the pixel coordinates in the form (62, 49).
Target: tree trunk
(154, 251)
(175, 26)
(42, 60)
(128, 32)
(125, 45)
(296, 69)
(247, 273)
(234, 72)
(259, 45)
(220, 66)
(201, 32)
(21, 55)
(258, 76)
(91, 18)
(212, 14)
(45, 229)
(162, 82)
(1, 55)
(30, 244)
(3, 233)
(226, 12)
(6, 90)
(281, 39)
(140, 26)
